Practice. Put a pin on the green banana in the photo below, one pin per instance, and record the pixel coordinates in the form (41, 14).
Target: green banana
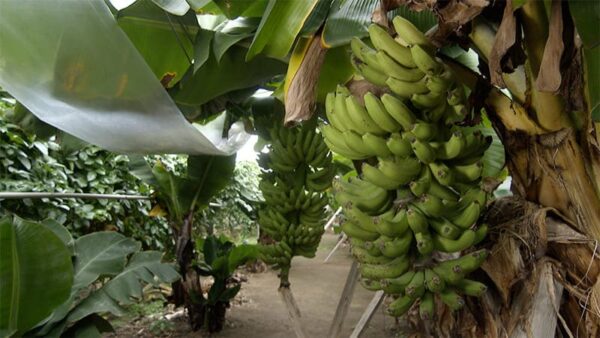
(445, 228)
(440, 83)
(364, 257)
(471, 288)
(396, 70)
(375, 176)
(429, 100)
(365, 54)
(335, 141)
(396, 286)
(379, 114)
(408, 34)
(451, 148)
(416, 286)
(468, 172)
(468, 216)
(353, 230)
(426, 62)
(416, 220)
(399, 146)
(442, 192)
(383, 41)
(423, 151)
(396, 247)
(355, 143)
(391, 269)
(466, 239)
(425, 244)
(399, 111)
(361, 219)
(400, 306)
(452, 299)
(442, 173)
(426, 306)
(480, 234)
(433, 281)
(424, 131)
(430, 205)
(397, 226)
(369, 73)
(422, 183)
(400, 170)
(376, 144)
(406, 89)
(360, 118)
(370, 284)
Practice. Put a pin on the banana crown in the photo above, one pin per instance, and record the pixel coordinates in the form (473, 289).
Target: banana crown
(417, 190)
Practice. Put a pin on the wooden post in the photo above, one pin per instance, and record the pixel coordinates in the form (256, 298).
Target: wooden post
(344, 303)
(337, 245)
(293, 311)
(368, 314)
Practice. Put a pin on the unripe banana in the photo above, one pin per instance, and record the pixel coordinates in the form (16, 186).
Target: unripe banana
(383, 41)
(430, 205)
(335, 141)
(408, 34)
(376, 144)
(397, 226)
(407, 89)
(442, 173)
(445, 228)
(370, 284)
(361, 119)
(400, 306)
(400, 170)
(399, 111)
(468, 172)
(365, 54)
(416, 220)
(433, 281)
(396, 247)
(353, 230)
(424, 131)
(452, 299)
(375, 176)
(416, 287)
(379, 114)
(451, 148)
(426, 306)
(396, 286)
(391, 68)
(471, 288)
(467, 216)
(423, 151)
(422, 183)
(399, 146)
(454, 245)
(355, 143)
(425, 62)
(369, 73)
(391, 269)
(425, 244)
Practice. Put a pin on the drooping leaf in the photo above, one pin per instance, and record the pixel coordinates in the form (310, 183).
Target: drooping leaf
(336, 69)
(59, 230)
(347, 19)
(316, 19)
(202, 47)
(101, 254)
(36, 274)
(208, 175)
(240, 255)
(214, 78)
(280, 24)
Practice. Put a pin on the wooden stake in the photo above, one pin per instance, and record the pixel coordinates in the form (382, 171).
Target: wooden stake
(368, 314)
(344, 236)
(344, 303)
(293, 311)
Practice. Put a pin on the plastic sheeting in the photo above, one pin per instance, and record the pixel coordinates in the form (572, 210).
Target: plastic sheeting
(74, 68)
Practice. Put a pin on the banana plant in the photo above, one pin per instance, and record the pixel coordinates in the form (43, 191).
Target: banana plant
(219, 258)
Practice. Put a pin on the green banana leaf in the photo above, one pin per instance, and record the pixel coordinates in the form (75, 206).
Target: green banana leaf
(316, 19)
(166, 46)
(101, 254)
(36, 274)
(423, 20)
(214, 78)
(235, 8)
(347, 19)
(586, 15)
(209, 175)
(280, 24)
(336, 69)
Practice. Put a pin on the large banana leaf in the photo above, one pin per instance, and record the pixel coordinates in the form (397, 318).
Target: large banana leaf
(280, 24)
(165, 45)
(235, 8)
(217, 78)
(101, 254)
(347, 19)
(89, 80)
(35, 274)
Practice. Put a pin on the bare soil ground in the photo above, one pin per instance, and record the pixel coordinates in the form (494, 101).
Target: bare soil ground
(259, 312)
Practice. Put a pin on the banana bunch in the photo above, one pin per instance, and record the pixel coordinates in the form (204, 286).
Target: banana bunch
(418, 188)
(296, 172)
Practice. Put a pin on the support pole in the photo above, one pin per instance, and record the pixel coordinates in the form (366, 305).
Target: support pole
(337, 245)
(330, 221)
(368, 314)
(344, 303)
(22, 195)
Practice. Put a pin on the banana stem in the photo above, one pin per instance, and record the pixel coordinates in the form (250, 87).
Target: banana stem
(284, 277)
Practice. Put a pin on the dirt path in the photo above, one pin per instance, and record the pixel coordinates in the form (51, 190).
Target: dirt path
(316, 286)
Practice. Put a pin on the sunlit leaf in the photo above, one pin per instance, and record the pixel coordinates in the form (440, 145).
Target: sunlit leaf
(176, 7)
(272, 38)
(347, 19)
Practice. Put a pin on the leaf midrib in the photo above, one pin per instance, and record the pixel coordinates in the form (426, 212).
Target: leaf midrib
(94, 258)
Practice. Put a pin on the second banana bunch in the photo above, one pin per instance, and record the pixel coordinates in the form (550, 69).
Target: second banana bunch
(417, 196)
(296, 171)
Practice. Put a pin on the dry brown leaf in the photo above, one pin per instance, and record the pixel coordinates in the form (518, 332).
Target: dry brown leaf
(505, 39)
(302, 92)
(549, 76)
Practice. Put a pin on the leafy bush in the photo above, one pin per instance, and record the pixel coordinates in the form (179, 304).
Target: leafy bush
(30, 164)
(70, 283)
